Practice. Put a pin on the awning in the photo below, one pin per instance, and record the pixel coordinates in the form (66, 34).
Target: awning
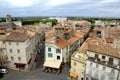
(29, 61)
(74, 75)
(52, 64)
(20, 64)
(37, 58)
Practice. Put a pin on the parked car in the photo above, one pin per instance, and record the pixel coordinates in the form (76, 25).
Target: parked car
(3, 70)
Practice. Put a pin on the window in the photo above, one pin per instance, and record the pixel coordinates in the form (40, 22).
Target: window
(102, 77)
(90, 64)
(82, 79)
(103, 57)
(9, 43)
(50, 55)
(83, 65)
(97, 65)
(18, 51)
(104, 68)
(17, 43)
(74, 63)
(58, 50)
(49, 49)
(58, 57)
(12, 58)
(0, 50)
(10, 50)
(19, 58)
(112, 72)
(87, 78)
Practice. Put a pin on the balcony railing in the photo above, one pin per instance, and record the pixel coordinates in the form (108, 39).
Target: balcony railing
(103, 62)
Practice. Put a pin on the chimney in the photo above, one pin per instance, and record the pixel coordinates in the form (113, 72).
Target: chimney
(59, 32)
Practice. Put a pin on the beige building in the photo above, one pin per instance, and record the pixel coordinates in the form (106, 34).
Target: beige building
(3, 55)
(79, 59)
(78, 63)
(103, 62)
(21, 49)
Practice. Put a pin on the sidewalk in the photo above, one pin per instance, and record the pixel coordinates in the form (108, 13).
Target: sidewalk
(18, 69)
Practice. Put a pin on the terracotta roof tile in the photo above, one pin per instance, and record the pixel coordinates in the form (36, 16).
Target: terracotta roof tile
(59, 26)
(3, 37)
(31, 33)
(67, 31)
(62, 43)
(2, 31)
(103, 49)
(49, 32)
(17, 36)
(115, 31)
(109, 40)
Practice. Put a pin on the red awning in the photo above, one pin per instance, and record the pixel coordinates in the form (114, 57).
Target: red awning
(37, 58)
(20, 64)
(29, 61)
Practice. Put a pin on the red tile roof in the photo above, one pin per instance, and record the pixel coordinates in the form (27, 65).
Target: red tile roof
(49, 32)
(103, 49)
(75, 37)
(115, 31)
(67, 31)
(17, 36)
(2, 31)
(62, 43)
(109, 40)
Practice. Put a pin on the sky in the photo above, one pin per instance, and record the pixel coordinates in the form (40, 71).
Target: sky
(83, 8)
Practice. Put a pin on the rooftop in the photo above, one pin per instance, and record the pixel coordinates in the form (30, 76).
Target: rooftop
(103, 49)
(109, 40)
(17, 36)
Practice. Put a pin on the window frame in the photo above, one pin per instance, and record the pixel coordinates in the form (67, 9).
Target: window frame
(58, 50)
(17, 43)
(49, 49)
(18, 50)
(50, 54)
(12, 58)
(10, 50)
(19, 58)
(104, 68)
(57, 57)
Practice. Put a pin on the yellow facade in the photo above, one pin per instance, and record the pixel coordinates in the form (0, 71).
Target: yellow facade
(78, 63)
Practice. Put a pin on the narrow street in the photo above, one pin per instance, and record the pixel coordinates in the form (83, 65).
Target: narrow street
(36, 73)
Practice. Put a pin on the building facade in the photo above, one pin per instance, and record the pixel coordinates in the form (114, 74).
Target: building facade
(21, 50)
(103, 62)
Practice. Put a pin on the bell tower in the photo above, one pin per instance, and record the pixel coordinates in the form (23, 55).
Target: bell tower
(9, 20)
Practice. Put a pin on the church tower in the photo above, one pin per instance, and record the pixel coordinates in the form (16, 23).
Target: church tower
(9, 20)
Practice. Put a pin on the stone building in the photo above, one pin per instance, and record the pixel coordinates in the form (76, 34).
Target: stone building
(103, 62)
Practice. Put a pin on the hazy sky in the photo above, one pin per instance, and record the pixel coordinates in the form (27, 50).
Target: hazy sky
(93, 8)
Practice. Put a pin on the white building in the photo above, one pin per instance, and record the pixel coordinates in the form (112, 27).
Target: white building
(60, 45)
(59, 19)
(103, 62)
(18, 23)
(21, 50)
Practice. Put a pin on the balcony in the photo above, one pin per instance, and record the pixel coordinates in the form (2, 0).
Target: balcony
(103, 62)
